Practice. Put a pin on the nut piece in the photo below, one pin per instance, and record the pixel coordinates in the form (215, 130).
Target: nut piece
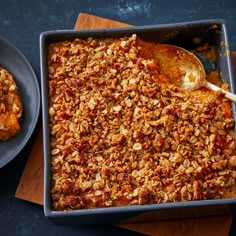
(232, 161)
(137, 146)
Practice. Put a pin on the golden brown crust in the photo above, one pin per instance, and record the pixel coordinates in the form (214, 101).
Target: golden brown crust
(122, 135)
(10, 106)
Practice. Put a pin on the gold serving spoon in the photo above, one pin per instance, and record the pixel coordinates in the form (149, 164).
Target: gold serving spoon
(184, 69)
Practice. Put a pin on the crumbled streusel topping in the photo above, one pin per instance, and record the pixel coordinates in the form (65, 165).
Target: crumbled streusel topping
(122, 135)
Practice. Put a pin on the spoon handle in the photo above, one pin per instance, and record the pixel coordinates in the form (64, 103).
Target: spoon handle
(230, 96)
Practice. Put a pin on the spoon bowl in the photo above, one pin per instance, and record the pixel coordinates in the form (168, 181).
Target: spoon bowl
(184, 69)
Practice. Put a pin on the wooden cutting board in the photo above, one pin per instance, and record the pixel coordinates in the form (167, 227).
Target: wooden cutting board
(30, 187)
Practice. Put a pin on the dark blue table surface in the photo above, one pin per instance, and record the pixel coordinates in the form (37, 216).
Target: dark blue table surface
(21, 23)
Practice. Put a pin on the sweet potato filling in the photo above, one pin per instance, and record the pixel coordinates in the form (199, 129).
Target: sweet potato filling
(10, 106)
(121, 134)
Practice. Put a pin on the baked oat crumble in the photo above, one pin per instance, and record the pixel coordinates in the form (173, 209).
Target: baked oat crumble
(121, 134)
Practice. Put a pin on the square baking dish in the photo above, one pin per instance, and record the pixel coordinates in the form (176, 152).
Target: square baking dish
(184, 35)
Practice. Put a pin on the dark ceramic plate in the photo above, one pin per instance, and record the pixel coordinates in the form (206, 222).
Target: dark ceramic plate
(16, 63)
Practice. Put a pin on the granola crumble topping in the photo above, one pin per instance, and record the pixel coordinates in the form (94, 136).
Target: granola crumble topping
(11, 107)
(121, 134)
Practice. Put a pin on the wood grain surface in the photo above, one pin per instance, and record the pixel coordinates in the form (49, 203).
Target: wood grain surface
(30, 187)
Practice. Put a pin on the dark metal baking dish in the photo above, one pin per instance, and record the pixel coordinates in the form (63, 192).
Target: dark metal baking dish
(213, 32)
